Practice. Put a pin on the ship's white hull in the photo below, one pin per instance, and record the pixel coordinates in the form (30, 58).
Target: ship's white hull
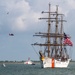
(53, 63)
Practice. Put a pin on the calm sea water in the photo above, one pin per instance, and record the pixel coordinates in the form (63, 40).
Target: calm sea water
(21, 69)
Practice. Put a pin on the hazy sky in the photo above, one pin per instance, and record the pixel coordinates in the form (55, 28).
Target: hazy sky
(20, 17)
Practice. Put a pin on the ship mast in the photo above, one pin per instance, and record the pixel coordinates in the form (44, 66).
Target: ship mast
(61, 33)
(48, 33)
(56, 30)
(56, 35)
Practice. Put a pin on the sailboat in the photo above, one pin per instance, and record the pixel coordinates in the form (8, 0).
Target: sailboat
(55, 53)
(3, 65)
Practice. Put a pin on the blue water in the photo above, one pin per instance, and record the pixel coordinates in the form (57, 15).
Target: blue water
(21, 69)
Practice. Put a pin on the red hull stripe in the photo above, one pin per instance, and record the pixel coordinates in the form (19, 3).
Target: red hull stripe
(52, 63)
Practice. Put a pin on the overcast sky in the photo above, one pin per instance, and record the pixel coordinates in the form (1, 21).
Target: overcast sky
(20, 17)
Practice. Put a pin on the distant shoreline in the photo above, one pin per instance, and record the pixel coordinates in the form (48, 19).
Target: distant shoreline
(16, 62)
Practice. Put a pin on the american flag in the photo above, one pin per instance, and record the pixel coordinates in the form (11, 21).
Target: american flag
(67, 40)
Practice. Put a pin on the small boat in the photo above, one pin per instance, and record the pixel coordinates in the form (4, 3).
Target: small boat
(29, 62)
(54, 50)
(3, 65)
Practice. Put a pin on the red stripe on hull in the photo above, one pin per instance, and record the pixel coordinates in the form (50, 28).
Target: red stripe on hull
(52, 63)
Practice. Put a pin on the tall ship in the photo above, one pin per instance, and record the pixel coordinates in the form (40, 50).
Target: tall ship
(55, 52)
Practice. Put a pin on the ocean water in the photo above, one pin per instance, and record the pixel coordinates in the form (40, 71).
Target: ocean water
(22, 69)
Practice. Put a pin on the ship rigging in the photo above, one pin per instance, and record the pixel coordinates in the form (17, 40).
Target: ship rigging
(56, 41)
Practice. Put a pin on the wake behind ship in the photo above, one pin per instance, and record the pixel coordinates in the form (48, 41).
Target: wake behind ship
(55, 53)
